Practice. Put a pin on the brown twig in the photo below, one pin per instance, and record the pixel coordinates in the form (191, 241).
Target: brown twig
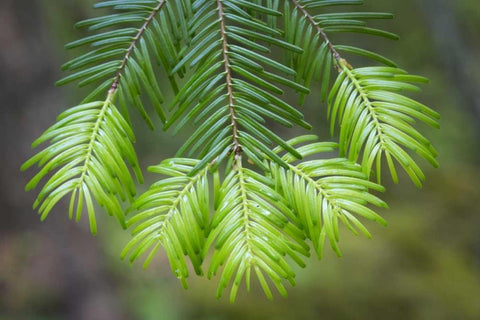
(237, 149)
(130, 49)
(338, 58)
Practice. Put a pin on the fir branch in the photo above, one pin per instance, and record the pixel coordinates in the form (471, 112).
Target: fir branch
(89, 145)
(322, 192)
(173, 214)
(252, 229)
(91, 142)
(131, 48)
(319, 30)
(234, 86)
(352, 100)
(250, 95)
(375, 117)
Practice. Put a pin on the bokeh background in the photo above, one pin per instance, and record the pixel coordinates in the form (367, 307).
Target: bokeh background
(424, 265)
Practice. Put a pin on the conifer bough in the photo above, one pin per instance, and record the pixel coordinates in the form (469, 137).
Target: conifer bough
(237, 198)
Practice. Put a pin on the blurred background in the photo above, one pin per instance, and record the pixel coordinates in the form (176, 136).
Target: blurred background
(424, 265)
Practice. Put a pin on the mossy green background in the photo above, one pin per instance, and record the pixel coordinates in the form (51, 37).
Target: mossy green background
(424, 265)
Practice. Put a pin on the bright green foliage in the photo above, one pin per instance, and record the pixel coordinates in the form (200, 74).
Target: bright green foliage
(89, 145)
(253, 228)
(126, 57)
(308, 31)
(323, 191)
(230, 93)
(174, 213)
(366, 101)
(375, 117)
(262, 215)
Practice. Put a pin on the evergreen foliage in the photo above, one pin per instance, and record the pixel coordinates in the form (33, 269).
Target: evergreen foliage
(237, 195)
